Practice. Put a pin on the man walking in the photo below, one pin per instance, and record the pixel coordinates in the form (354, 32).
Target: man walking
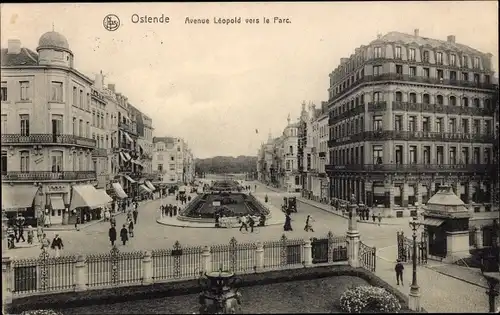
(124, 235)
(57, 245)
(77, 222)
(135, 214)
(251, 222)
(399, 271)
(112, 235)
(243, 221)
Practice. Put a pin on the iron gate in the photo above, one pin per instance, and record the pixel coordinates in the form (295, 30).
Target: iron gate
(367, 256)
(405, 248)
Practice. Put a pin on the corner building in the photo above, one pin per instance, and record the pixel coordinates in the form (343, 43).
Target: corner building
(408, 114)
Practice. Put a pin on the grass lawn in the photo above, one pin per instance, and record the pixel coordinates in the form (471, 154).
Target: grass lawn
(309, 296)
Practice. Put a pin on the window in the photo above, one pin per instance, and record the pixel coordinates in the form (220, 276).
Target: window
(377, 70)
(487, 156)
(25, 161)
(56, 160)
(25, 125)
(411, 123)
(476, 126)
(377, 97)
(25, 90)
(440, 74)
(399, 69)
(377, 123)
(439, 124)
(453, 60)
(439, 58)
(465, 61)
(413, 71)
(426, 56)
(398, 122)
(453, 75)
(426, 99)
(487, 103)
(57, 124)
(427, 155)
(465, 125)
(486, 79)
(427, 73)
(3, 94)
(93, 118)
(476, 62)
(465, 102)
(413, 154)
(411, 55)
(413, 98)
(487, 127)
(465, 155)
(453, 155)
(290, 150)
(74, 96)
(453, 100)
(440, 155)
(452, 125)
(465, 76)
(160, 168)
(377, 52)
(4, 162)
(378, 154)
(80, 128)
(81, 103)
(4, 124)
(399, 97)
(476, 78)
(171, 167)
(477, 159)
(399, 154)
(87, 130)
(440, 99)
(160, 157)
(56, 91)
(426, 124)
(398, 52)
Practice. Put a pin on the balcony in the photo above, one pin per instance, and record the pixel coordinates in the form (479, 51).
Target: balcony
(416, 79)
(49, 176)
(128, 128)
(442, 109)
(146, 156)
(100, 152)
(412, 168)
(47, 139)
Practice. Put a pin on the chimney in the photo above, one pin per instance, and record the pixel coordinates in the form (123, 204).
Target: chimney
(98, 82)
(14, 46)
(450, 39)
(416, 32)
(111, 87)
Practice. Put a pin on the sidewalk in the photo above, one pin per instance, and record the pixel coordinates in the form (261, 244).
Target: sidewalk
(328, 208)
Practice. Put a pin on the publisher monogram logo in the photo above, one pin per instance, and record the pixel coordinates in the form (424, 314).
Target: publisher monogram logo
(111, 22)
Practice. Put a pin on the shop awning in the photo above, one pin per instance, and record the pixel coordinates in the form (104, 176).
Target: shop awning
(104, 196)
(57, 202)
(127, 156)
(432, 222)
(85, 196)
(146, 189)
(124, 158)
(137, 162)
(129, 179)
(150, 186)
(182, 188)
(18, 196)
(128, 137)
(119, 190)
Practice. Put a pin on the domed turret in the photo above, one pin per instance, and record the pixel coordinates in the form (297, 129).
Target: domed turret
(53, 40)
(53, 49)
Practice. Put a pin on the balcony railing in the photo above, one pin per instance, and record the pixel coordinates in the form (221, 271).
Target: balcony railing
(442, 109)
(417, 79)
(48, 176)
(420, 168)
(47, 138)
(100, 152)
(127, 128)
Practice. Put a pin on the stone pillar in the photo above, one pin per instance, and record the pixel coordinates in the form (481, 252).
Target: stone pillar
(259, 257)
(479, 236)
(470, 189)
(414, 300)
(404, 196)
(369, 193)
(308, 253)
(7, 273)
(206, 259)
(65, 215)
(418, 195)
(147, 268)
(389, 195)
(353, 238)
(80, 274)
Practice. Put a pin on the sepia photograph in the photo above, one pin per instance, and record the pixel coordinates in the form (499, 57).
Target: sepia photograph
(250, 157)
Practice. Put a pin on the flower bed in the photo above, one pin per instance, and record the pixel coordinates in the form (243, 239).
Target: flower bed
(369, 299)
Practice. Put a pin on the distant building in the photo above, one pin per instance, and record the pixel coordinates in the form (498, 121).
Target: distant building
(173, 161)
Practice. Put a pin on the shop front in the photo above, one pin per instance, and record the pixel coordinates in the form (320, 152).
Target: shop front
(86, 203)
(19, 200)
(120, 197)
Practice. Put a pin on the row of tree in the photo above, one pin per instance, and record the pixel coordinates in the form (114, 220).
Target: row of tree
(226, 165)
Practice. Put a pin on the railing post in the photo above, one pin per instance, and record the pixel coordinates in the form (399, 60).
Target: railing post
(259, 253)
(7, 277)
(147, 268)
(353, 238)
(206, 257)
(80, 273)
(308, 253)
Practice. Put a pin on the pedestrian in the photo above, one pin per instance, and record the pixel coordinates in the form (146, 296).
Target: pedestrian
(31, 234)
(39, 233)
(262, 220)
(266, 198)
(379, 218)
(308, 226)
(399, 271)
(124, 235)
(131, 228)
(20, 233)
(251, 222)
(170, 211)
(373, 217)
(112, 235)
(189, 198)
(135, 214)
(175, 210)
(288, 223)
(45, 243)
(107, 214)
(76, 223)
(243, 221)
(57, 245)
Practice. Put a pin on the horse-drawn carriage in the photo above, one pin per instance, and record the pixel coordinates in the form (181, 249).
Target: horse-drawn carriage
(289, 204)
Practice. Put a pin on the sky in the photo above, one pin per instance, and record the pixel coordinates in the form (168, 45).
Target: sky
(215, 84)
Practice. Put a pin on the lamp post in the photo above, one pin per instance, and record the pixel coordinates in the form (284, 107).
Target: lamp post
(414, 296)
(490, 268)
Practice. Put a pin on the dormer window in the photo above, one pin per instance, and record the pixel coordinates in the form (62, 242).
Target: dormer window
(476, 62)
(453, 60)
(439, 58)
(426, 56)
(378, 52)
(398, 53)
(411, 55)
(465, 61)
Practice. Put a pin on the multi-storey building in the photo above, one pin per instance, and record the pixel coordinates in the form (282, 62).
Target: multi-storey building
(407, 114)
(47, 168)
(172, 160)
(146, 145)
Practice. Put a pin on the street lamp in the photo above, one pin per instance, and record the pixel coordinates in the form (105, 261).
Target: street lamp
(490, 268)
(414, 301)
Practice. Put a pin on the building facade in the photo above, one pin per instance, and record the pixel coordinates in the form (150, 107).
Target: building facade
(172, 161)
(408, 114)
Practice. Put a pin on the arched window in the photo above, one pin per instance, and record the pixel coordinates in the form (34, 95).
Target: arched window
(377, 97)
(487, 103)
(413, 98)
(440, 100)
(75, 161)
(453, 101)
(25, 161)
(399, 96)
(465, 102)
(426, 99)
(476, 103)
(56, 160)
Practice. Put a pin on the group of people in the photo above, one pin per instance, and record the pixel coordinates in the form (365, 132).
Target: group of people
(127, 230)
(169, 210)
(288, 223)
(183, 198)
